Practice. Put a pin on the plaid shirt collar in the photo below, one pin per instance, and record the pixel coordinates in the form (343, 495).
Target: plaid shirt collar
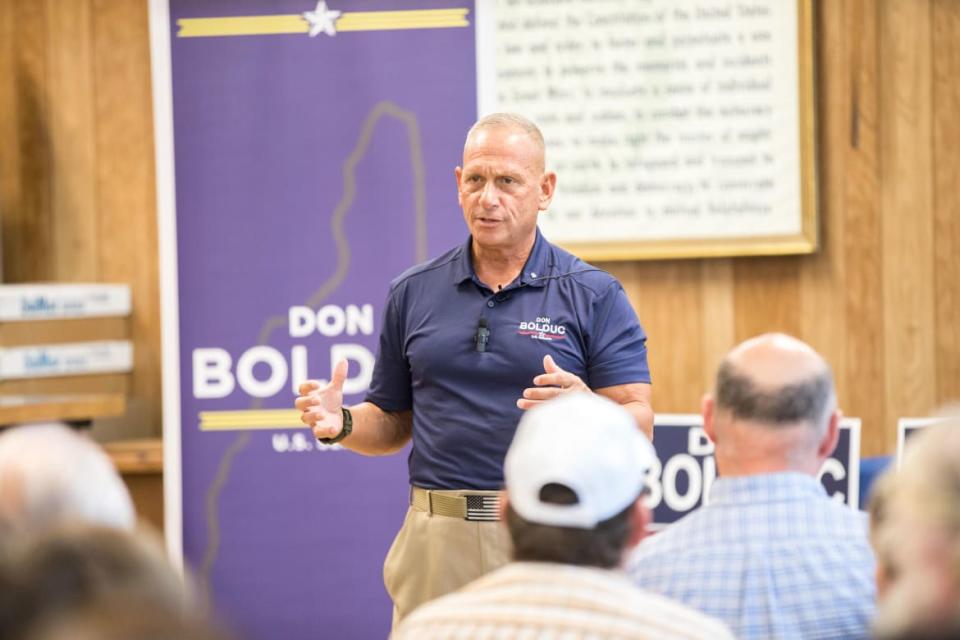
(767, 487)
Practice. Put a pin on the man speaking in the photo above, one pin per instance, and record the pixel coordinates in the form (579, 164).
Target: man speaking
(470, 339)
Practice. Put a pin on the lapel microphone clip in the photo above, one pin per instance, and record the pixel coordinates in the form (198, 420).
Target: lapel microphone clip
(482, 336)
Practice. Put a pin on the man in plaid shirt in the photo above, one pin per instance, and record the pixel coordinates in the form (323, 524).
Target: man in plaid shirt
(771, 555)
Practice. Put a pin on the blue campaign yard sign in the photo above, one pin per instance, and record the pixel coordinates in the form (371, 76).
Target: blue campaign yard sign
(685, 469)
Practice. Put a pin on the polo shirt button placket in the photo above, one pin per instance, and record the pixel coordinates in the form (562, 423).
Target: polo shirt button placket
(490, 303)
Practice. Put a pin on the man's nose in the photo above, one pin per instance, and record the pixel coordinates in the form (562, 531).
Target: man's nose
(489, 197)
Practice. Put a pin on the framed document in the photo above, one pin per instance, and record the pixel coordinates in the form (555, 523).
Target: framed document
(676, 130)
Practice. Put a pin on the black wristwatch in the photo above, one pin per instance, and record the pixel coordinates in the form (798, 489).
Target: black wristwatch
(347, 428)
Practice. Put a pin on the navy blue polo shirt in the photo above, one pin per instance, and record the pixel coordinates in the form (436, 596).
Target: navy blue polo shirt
(463, 400)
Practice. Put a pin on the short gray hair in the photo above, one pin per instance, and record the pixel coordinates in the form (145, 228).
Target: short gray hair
(809, 400)
(506, 120)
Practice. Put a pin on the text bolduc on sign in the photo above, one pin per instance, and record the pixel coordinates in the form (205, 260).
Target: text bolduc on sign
(681, 478)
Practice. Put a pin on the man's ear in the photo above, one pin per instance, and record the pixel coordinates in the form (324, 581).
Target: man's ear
(707, 407)
(548, 185)
(458, 172)
(829, 440)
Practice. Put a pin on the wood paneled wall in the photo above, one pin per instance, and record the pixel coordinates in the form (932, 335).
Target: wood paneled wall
(880, 300)
(77, 197)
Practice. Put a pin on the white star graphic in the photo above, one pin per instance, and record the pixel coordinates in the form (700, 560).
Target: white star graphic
(322, 19)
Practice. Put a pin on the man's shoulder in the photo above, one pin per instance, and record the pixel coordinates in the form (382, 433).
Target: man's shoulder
(667, 613)
(844, 512)
(621, 598)
(567, 266)
(685, 534)
(712, 532)
(550, 592)
(438, 267)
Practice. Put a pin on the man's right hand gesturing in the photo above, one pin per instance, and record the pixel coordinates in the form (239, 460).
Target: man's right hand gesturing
(321, 404)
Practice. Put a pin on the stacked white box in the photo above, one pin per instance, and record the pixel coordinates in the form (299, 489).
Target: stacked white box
(64, 338)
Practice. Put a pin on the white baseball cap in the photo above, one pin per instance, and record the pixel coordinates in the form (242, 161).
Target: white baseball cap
(585, 442)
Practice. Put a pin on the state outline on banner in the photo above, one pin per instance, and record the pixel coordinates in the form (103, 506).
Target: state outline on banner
(255, 416)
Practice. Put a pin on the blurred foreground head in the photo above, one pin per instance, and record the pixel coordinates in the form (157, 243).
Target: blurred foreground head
(72, 576)
(917, 538)
(50, 474)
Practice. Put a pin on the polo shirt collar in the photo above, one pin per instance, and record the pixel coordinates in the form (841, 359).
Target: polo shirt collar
(462, 264)
(539, 263)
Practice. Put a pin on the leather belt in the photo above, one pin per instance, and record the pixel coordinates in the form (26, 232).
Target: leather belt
(476, 506)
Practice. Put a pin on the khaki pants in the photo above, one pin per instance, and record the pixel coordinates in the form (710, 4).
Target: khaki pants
(434, 555)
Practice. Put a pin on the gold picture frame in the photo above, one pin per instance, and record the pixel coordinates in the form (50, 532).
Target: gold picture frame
(800, 211)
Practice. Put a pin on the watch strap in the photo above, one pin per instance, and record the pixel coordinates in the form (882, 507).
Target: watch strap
(344, 432)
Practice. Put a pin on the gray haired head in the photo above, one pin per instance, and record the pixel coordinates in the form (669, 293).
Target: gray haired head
(50, 475)
(776, 380)
(506, 120)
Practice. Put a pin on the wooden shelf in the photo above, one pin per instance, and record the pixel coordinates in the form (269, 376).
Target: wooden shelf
(136, 456)
(15, 409)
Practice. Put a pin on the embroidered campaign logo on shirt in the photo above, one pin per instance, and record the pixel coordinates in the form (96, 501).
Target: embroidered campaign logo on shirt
(542, 329)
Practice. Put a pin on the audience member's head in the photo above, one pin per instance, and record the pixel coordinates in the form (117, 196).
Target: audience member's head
(49, 474)
(918, 537)
(773, 409)
(119, 622)
(72, 570)
(574, 478)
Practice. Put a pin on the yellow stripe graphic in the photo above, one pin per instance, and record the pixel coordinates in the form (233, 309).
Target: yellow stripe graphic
(241, 26)
(350, 21)
(417, 19)
(250, 420)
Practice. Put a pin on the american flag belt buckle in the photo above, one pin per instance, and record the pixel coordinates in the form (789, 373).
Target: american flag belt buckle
(483, 508)
(476, 507)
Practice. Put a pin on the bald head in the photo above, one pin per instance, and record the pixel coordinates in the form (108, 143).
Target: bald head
(775, 380)
(513, 122)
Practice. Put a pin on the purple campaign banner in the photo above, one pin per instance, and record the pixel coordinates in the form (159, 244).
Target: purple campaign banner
(685, 468)
(310, 169)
